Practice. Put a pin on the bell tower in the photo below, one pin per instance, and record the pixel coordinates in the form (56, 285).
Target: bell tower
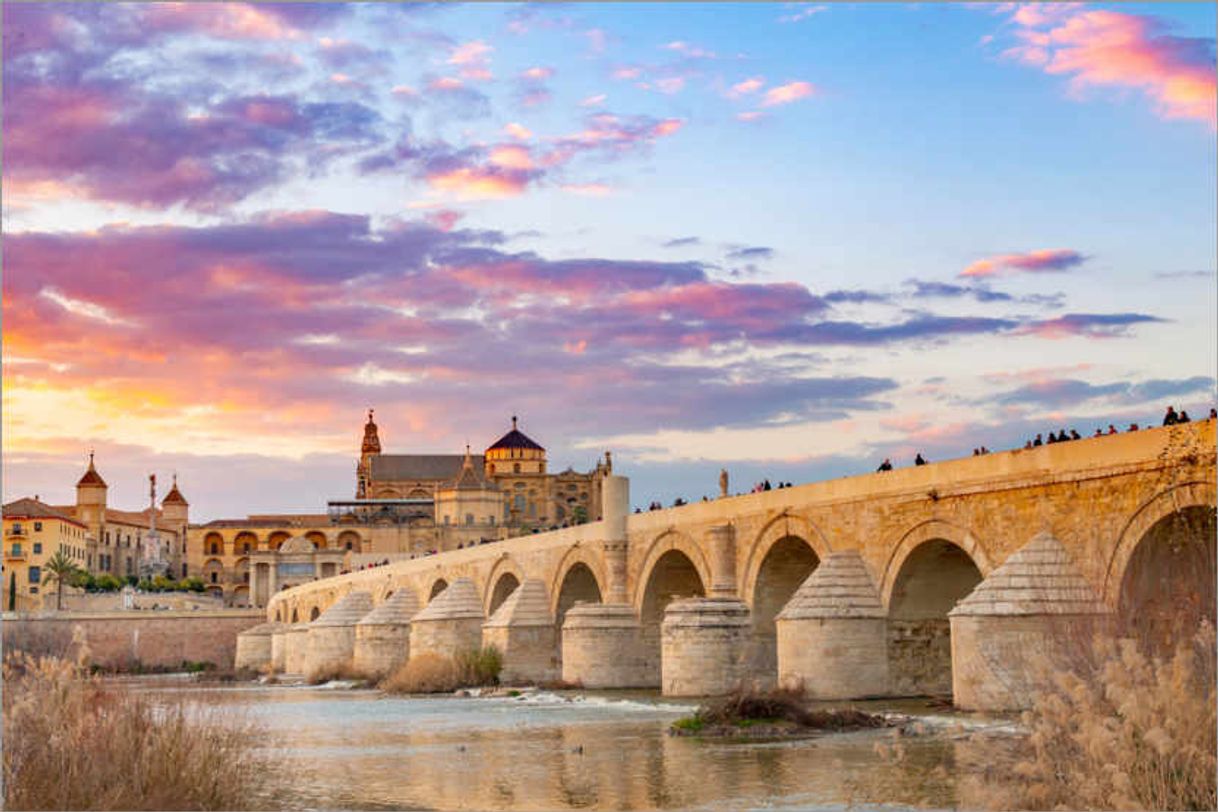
(370, 447)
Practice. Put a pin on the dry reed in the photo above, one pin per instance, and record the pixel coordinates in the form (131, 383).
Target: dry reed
(1131, 731)
(430, 673)
(72, 742)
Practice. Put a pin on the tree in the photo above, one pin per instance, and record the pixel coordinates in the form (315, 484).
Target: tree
(62, 569)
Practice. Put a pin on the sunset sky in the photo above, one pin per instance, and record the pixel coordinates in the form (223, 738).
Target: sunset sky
(789, 240)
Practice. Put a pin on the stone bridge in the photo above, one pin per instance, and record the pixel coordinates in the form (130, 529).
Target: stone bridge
(697, 598)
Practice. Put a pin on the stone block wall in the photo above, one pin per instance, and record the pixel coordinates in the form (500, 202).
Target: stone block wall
(834, 658)
(920, 657)
(530, 653)
(122, 640)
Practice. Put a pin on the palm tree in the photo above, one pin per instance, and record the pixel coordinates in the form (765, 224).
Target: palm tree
(62, 569)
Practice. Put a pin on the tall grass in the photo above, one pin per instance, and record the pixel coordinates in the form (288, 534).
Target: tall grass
(430, 673)
(1130, 730)
(71, 742)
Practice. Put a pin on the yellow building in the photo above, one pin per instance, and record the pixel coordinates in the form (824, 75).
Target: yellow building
(33, 533)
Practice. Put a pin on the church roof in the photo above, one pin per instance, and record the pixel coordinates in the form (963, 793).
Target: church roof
(515, 439)
(396, 467)
(90, 476)
(470, 478)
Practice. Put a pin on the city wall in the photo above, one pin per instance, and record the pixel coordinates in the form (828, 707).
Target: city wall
(121, 640)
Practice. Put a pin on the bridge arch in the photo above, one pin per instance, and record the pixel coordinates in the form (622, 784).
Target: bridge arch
(675, 567)
(581, 574)
(780, 559)
(670, 541)
(784, 525)
(934, 566)
(919, 534)
(437, 586)
(1160, 506)
(502, 581)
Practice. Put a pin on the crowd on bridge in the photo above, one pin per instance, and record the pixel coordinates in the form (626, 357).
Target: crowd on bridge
(1170, 418)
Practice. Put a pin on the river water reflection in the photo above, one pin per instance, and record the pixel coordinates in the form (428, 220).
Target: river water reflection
(360, 749)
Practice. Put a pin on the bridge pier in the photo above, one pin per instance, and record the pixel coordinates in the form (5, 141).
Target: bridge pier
(523, 631)
(295, 644)
(254, 647)
(602, 647)
(382, 637)
(331, 639)
(1026, 620)
(279, 648)
(833, 635)
(450, 624)
(703, 646)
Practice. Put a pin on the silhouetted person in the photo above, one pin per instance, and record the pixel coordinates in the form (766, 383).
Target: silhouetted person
(1133, 426)
(1183, 418)
(886, 465)
(1213, 414)
(1112, 429)
(1052, 438)
(1074, 435)
(1037, 441)
(766, 486)
(1171, 418)
(1061, 436)
(918, 459)
(976, 452)
(1027, 446)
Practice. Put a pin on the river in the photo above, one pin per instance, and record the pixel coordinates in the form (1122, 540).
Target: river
(360, 749)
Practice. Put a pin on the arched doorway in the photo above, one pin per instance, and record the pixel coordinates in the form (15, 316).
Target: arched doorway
(439, 586)
(787, 564)
(504, 587)
(673, 576)
(931, 580)
(1168, 586)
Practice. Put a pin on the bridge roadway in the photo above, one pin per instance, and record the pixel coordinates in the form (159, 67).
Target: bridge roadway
(906, 547)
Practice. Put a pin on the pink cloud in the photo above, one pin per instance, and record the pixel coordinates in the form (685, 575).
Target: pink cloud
(594, 101)
(743, 88)
(785, 94)
(1099, 48)
(518, 131)
(220, 20)
(1056, 259)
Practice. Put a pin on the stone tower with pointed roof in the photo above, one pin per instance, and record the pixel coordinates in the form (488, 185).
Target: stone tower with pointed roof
(91, 492)
(370, 447)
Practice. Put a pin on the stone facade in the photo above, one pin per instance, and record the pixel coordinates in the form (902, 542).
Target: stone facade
(254, 647)
(927, 537)
(122, 640)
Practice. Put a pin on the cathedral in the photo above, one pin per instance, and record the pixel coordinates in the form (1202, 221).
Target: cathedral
(405, 506)
(507, 485)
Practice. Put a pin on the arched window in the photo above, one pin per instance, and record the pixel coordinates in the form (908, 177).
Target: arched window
(516, 468)
(214, 577)
(215, 548)
(518, 502)
(348, 545)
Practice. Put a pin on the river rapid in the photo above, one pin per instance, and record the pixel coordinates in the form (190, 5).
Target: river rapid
(334, 747)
